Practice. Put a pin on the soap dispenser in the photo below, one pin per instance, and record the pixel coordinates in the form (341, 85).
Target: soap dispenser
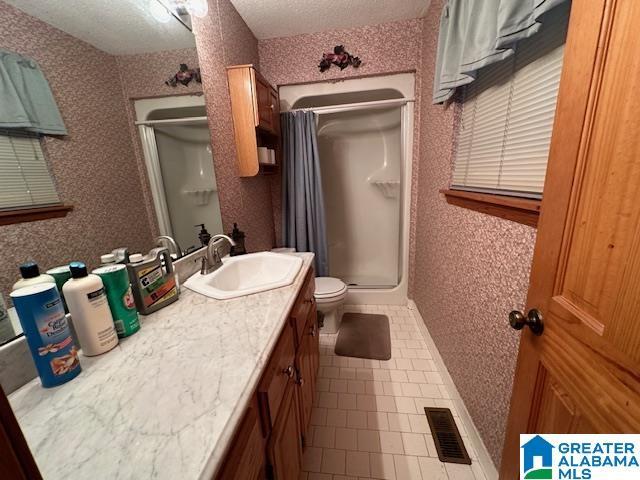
(203, 235)
(238, 236)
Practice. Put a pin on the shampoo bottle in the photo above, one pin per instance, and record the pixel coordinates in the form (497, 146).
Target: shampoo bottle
(89, 308)
(31, 276)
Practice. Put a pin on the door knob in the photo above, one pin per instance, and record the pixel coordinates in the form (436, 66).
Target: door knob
(533, 320)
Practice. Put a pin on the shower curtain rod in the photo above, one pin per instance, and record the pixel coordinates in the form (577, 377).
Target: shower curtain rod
(171, 120)
(356, 106)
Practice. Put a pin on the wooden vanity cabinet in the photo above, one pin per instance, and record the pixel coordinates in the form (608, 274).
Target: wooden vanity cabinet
(270, 439)
(255, 109)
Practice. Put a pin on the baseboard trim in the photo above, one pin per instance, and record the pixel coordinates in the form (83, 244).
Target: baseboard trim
(488, 468)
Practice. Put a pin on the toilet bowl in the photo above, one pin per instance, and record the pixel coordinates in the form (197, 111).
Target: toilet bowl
(330, 294)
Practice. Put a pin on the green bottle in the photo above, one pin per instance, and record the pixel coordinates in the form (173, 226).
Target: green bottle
(61, 275)
(120, 298)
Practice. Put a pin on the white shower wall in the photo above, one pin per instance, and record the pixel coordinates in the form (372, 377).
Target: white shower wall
(189, 181)
(361, 165)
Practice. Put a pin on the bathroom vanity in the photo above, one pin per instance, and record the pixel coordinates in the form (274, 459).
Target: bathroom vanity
(207, 389)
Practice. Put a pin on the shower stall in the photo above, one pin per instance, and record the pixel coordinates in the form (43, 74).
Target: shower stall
(360, 161)
(365, 138)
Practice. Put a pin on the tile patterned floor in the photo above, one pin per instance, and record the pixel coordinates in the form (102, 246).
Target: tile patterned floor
(368, 419)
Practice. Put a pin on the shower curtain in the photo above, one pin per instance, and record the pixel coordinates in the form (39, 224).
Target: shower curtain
(303, 216)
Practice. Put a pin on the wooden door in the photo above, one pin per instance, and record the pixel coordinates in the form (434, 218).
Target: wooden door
(582, 375)
(285, 444)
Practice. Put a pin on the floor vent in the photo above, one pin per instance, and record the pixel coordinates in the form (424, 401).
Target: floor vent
(446, 436)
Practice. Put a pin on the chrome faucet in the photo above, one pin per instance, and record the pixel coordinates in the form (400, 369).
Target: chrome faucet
(212, 260)
(172, 243)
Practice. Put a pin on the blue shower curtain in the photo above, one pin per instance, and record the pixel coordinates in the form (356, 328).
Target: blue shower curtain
(304, 226)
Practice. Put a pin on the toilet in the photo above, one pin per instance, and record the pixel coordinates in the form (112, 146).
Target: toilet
(330, 295)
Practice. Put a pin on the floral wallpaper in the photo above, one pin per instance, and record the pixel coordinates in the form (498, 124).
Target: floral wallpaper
(470, 271)
(143, 75)
(223, 39)
(291, 60)
(94, 166)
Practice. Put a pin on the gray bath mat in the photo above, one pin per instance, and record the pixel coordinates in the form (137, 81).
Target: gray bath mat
(364, 335)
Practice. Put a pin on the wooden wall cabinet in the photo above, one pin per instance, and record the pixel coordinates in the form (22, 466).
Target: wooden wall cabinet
(270, 439)
(255, 108)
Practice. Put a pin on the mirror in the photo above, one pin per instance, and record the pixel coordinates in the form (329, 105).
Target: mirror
(130, 159)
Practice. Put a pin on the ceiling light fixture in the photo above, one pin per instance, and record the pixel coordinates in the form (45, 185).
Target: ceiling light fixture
(195, 8)
(159, 11)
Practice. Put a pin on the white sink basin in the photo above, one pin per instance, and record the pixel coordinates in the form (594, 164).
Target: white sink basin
(247, 274)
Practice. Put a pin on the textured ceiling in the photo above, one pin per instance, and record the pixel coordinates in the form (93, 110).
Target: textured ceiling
(283, 18)
(114, 26)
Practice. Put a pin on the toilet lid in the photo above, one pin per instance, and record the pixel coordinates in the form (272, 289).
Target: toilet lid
(328, 286)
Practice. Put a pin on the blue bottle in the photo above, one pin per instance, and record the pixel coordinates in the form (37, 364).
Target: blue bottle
(41, 314)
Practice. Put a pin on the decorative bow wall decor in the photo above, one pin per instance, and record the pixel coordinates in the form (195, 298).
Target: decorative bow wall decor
(184, 76)
(340, 58)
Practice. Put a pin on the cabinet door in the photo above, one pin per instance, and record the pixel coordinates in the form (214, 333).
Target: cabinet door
(285, 444)
(280, 372)
(246, 459)
(314, 342)
(307, 362)
(265, 107)
(275, 110)
(302, 308)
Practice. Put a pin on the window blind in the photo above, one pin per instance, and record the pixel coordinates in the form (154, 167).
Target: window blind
(24, 177)
(504, 133)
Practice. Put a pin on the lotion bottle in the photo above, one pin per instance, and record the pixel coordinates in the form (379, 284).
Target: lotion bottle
(89, 309)
(31, 276)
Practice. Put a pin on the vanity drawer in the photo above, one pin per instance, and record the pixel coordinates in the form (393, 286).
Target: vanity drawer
(278, 374)
(303, 306)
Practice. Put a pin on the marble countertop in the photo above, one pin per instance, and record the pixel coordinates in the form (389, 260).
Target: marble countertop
(165, 402)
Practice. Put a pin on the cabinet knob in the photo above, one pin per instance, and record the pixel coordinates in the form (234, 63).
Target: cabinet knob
(313, 330)
(289, 371)
(300, 380)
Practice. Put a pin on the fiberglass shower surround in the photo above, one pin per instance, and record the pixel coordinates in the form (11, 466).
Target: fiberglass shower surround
(361, 164)
(365, 149)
